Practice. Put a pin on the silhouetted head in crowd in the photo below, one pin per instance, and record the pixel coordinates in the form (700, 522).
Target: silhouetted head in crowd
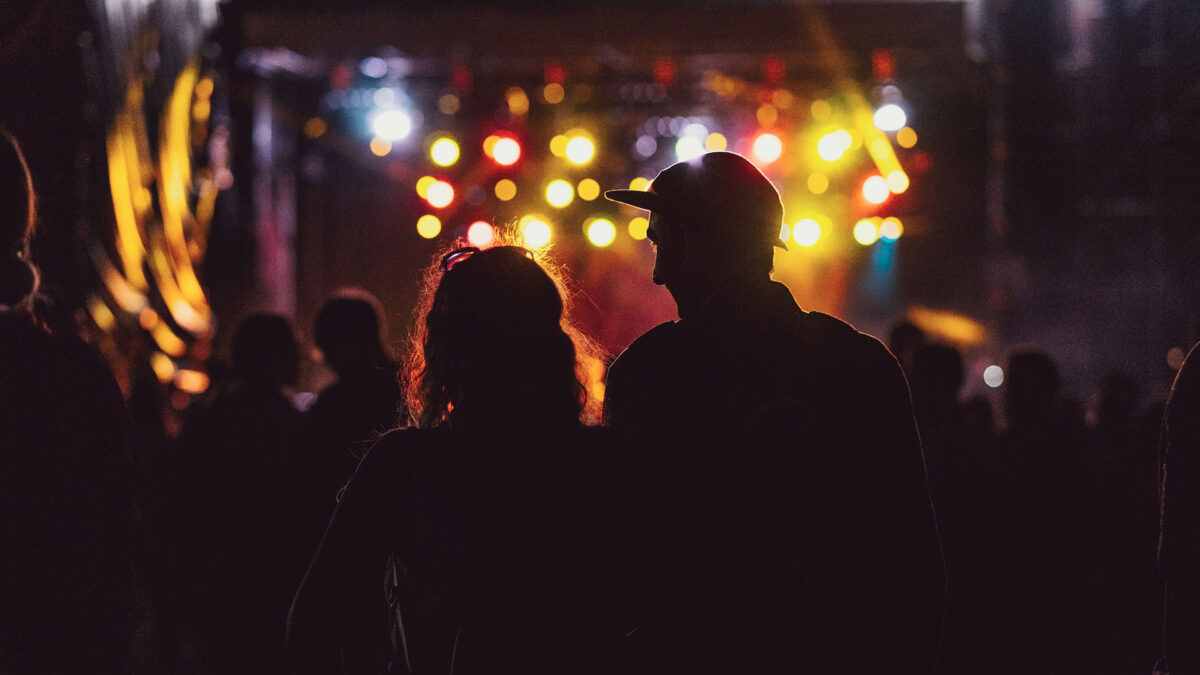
(491, 344)
(350, 331)
(936, 375)
(1032, 389)
(904, 340)
(715, 223)
(265, 352)
(18, 276)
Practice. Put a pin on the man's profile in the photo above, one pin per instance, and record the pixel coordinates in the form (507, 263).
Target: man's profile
(788, 494)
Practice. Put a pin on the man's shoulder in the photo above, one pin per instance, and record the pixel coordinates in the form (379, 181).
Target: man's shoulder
(653, 344)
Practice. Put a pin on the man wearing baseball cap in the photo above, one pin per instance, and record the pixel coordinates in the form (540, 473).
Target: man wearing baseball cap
(788, 526)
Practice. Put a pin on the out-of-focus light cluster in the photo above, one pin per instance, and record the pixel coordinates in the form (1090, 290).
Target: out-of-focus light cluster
(866, 232)
(767, 147)
(391, 125)
(834, 144)
(481, 234)
(875, 189)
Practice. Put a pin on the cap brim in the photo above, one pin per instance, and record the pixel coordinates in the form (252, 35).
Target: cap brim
(638, 198)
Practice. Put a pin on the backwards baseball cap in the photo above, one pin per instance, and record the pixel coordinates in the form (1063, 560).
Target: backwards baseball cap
(720, 193)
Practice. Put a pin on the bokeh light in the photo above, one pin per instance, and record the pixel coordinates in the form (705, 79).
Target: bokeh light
(688, 147)
(821, 110)
(553, 93)
(890, 117)
(448, 104)
(891, 229)
(429, 226)
(481, 234)
(558, 145)
(818, 183)
(580, 150)
(423, 184)
(834, 144)
(518, 101)
(639, 183)
(601, 232)
(993, 376)
(866, 232)
(716, 142)
(391, 125)
(875, 189)
(646, 146)
(315, 127)
(444, 151)
(559, 193)
(807, 232)
(897, 181)
(767, 148)
(505, 189)
(506, 151)
(637, 228)
(906, 137)
(535, 231)
(767, 115)
(380, 146)
(588, 189)
(440, 194)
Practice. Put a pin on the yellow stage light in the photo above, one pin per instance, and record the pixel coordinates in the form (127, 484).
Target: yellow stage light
(505, 189)
(440, 194)
(553, 93)
(481, 234)
(906, 137)
(580, 150)
(429, 226)
(423, 184)
(767, 148)
(834, 144)
(518, 101)
(637, 228)
(559, 193)
(639, 184)
(535, 231)
(821, 110)
(818, 183)
(866, 232)
(806, 232)
(875, 190)
(444, 151)
(715, 142)
(588, 189)
(897, 181)
(506, 151)
(601, 232)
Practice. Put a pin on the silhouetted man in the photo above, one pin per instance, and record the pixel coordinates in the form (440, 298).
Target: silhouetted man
(790, 516)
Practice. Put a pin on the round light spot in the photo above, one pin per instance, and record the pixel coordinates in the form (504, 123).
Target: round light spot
(638, 227)
(559, 193)
(807, 232)
(906, 137)
(588, 189)
(391, 125)
(380, 146)
(601, 232)
(440, 194)
(767, 148)
(866, 232)
(818, 183)
(506, 151)
(715, 142)
(444, 151)
(481, 234)
(553, 93)
(429, 226)
(993, 376)
(891, 229)
(423, 184)
(580, 150)
(505, 189)
(897, 181)
(834, 144)
(535, 232)
(875, 190)
(890, 117)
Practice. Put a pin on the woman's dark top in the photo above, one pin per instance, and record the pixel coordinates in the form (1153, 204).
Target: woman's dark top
(66, 502)
(508, 548)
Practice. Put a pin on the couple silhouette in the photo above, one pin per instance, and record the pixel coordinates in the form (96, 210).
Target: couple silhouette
(756, 500)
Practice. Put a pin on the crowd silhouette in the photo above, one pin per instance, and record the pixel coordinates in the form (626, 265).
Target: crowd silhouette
(454, 507)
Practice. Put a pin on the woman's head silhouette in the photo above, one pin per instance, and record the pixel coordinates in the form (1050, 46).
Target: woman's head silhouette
(491, 345)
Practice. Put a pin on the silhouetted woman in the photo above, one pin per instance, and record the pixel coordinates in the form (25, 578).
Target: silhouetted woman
(66, 498)
(493, 507)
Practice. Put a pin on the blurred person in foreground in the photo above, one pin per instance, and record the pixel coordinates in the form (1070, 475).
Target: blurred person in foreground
(364, 402)
(794, 525)
(1179, 551)
(66, 492)
(249, 531)
(494, 507)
